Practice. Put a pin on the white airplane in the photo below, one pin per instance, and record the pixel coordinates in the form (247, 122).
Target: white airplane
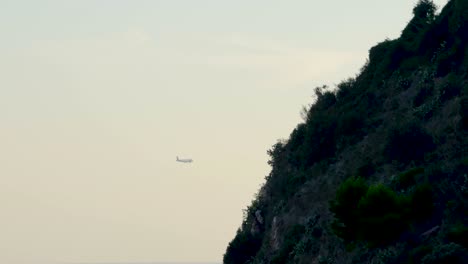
(184, 160)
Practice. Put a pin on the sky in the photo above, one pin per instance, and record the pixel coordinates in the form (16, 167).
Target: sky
(97, 98)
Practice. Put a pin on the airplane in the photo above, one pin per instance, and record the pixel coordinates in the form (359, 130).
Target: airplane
(184, 160)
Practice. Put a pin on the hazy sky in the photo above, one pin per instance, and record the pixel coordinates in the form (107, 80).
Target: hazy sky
(98, 97)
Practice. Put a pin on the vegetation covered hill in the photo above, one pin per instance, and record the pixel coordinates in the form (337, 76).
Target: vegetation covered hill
(378, 171)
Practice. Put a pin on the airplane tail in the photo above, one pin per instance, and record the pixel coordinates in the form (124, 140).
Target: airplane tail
(177, 158)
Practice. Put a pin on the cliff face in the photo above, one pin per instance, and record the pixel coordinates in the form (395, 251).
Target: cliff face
(378, 172)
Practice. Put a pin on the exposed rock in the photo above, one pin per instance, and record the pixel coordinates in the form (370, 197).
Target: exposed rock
(430, 232)
(274, 239)
(373, 126)
(255, 229)
(258, 216)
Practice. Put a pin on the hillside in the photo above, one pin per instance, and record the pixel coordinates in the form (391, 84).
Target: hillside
(378, 171)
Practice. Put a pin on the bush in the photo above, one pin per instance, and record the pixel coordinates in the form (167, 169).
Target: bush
(345, 207)
(417, 254)
(291, 239)
(296, 138)
(424, 14)
(458, 234)
(444, 254)
(380, 58)
(319, 143)
(423, 94)
(382, 215)
(376, 214)
(242, 248)
(408, 178)
(350, 126)
(408, 143)
(464, 112)
(422, 202)
(366, 169)
(325, 99)
(450, 89)
(345, 89)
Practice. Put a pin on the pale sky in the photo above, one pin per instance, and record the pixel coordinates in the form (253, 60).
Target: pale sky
(98, 97)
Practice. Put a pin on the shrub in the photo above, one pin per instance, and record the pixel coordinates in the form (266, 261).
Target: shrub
(345, 207)
(464, 112)
(400, 54)
(408, 178)
(350, 125)
(325, 99)
(424, 14)
(424, 93)
(404, 83)
(319, 143)
(422, 202)
(345, 89)
(275, 153)
(376, 214)
(295, 180)
(449, 253)
(416, 254)
(380, 58)
(450, 89)
(458, 234)
(382, 215)
(291, 239)
(366, 169)
(297, 137)
(242, 248)
(408, 142)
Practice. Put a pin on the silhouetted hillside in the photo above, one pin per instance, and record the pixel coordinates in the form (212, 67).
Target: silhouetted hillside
(378, 172)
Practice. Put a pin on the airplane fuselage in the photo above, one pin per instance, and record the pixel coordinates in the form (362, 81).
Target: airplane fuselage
(184, 160)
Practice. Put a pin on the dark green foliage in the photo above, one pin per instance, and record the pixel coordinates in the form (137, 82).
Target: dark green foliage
(350, 127)
(425, 11)
(376, 214)
(370, 128)
(464, 112)
(366, 170)
(399, 55)
(404, 83)
(325, 99)
(345, 89)
(408, 64)
(297, 137)
(317, 232)
(450, 60)
(450, 89)
(319, 143)
(242, 248)
(424, 93)
(447, 254)
(458, 234)
(408, 142)
(276, 153)
(434, 39)
(345, 208)
(380, 58)
(422, 202)
(382, 215)
(296, 179)
(416, 255)
(408, 178)
(424, 14)
(444, 42)
(314, 140)
(290, 240)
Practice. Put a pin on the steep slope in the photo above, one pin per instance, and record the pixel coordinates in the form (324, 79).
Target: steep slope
(378, 172)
